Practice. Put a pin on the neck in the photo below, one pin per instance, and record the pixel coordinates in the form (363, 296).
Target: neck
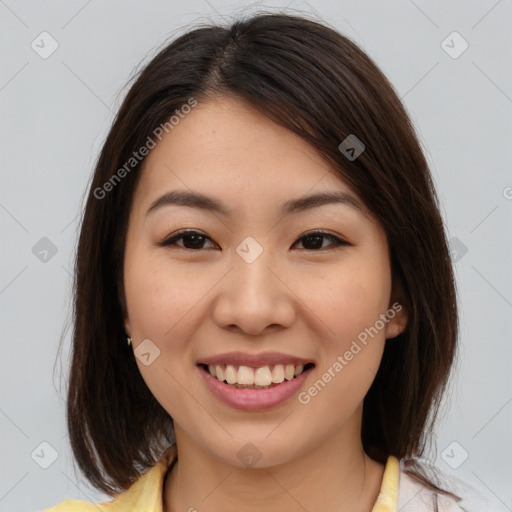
(331, 476)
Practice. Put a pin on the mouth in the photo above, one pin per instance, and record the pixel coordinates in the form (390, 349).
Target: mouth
(263, 377)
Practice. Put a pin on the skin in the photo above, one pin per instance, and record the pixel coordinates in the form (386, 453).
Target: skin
(296, 298)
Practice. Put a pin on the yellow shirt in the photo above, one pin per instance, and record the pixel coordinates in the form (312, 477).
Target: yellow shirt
(145, 495)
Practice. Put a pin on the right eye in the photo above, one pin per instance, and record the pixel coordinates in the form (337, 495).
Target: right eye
(192, 239)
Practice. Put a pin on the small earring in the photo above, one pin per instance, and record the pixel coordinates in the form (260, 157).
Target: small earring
(128, 339)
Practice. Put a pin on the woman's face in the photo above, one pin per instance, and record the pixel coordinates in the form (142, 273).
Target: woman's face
(254, 280)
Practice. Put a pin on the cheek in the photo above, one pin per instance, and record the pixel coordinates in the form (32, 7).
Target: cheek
(348, 302)
(161, 299)
(160, 295)
(352, 349)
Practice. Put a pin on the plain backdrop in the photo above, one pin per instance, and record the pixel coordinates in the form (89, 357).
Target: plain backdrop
(56, 111)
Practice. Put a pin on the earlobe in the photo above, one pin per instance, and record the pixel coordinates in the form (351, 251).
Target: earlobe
(398, 322)
(393, 329)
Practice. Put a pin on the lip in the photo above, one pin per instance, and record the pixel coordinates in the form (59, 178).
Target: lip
(253, 360)
(254, 399)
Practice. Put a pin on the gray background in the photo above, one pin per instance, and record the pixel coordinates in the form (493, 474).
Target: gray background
(55, 113)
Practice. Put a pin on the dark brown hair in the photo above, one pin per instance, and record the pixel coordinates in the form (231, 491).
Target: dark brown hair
(317, 83)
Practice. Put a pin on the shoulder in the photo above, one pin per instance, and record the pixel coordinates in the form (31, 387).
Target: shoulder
(413, 496)
(144, 494)
(75, 506)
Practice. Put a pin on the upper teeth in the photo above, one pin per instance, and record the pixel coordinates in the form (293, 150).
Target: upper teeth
(263, 376)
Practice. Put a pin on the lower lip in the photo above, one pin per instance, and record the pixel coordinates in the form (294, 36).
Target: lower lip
(254, 399)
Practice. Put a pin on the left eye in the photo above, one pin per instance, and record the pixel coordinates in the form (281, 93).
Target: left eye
(316, 238)
(195, 240)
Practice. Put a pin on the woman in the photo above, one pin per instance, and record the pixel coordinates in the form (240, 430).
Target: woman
(262, 228)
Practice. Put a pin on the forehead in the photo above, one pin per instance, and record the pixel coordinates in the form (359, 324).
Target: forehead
(226, 148)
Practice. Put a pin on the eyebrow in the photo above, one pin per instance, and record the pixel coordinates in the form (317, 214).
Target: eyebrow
(207, 203)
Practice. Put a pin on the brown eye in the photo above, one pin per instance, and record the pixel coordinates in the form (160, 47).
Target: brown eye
(191, 240)
(315, 240)
(195, 240)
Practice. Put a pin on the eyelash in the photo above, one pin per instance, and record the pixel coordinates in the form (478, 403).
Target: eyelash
(181, 234)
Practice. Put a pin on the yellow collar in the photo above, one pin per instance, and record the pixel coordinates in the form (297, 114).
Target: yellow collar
(146, 493)
(387, 500)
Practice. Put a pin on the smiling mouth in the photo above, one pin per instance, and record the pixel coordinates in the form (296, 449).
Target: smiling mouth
(246, 377)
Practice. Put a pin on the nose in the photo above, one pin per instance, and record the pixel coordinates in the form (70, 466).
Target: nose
(254, 297)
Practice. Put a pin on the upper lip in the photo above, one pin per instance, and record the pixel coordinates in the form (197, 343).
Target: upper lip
(253, 360)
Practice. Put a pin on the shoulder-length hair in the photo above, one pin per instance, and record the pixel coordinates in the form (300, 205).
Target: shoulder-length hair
(320, 85)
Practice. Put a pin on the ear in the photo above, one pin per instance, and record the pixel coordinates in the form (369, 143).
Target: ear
(398, 313)
(124, 308)
(127, 326)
